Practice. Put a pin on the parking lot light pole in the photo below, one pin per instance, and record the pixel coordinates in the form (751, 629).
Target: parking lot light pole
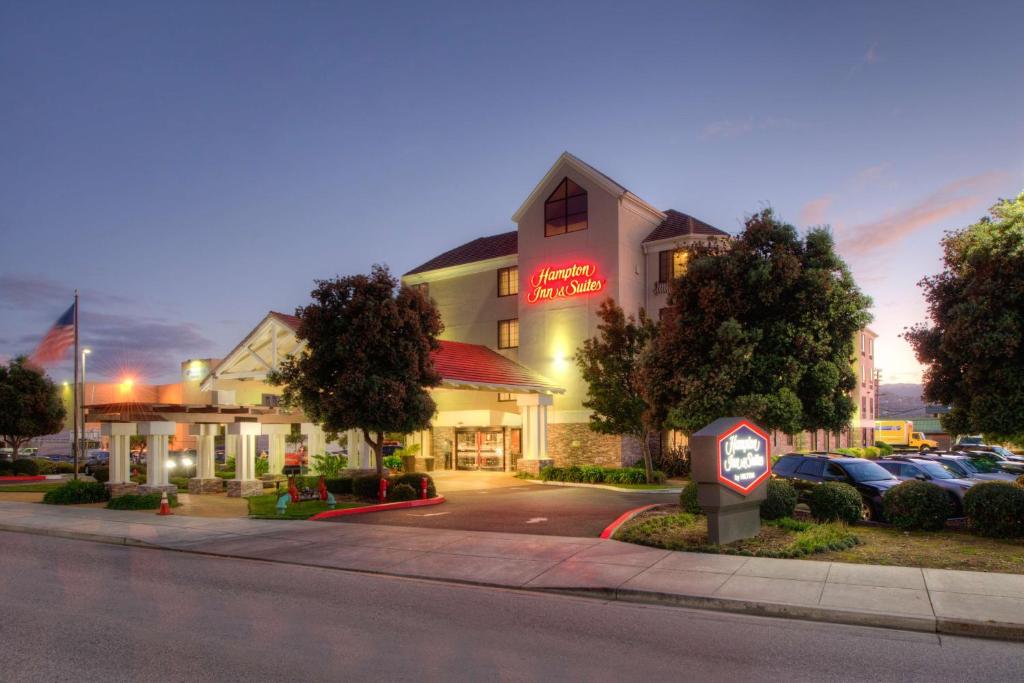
(81, 403)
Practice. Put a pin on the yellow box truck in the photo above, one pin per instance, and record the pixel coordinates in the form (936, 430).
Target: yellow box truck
(901, 433)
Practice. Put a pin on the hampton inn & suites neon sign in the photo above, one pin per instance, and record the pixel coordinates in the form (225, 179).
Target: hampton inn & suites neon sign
(562, 282)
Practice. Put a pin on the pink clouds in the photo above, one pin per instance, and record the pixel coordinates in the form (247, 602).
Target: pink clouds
(813, 212)
(949, 200)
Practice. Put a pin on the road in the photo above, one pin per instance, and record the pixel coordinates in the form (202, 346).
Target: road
(479, 502)
(81, 611)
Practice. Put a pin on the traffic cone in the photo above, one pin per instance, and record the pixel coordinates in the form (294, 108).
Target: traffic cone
(165, 506)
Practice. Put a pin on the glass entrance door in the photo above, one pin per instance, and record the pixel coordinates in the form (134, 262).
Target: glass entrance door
(480, 449)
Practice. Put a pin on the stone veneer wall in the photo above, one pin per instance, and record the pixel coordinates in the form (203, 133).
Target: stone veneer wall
(442, 446)
(576, 444)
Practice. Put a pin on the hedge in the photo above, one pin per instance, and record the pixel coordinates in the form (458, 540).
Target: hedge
(996, 509)
(781, 500)
(141, 501)
(77, 492)
(25, 466)
(594, 474)
(885, 449)
(834, 501)
(402, 492)
(917, 505)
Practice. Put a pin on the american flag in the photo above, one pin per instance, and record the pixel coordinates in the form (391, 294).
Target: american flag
(57, 340)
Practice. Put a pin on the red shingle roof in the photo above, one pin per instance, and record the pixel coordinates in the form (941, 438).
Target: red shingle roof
(677, 223)
(289, 320)
(480, 249)
(464, 365)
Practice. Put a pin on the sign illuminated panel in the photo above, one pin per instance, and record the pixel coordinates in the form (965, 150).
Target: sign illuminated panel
(562, 282)
(744, 458)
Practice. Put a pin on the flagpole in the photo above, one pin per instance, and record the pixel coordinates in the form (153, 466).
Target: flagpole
(77, 443)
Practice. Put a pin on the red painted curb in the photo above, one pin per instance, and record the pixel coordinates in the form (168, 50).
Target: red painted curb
(610, 530)
(36, 477)
(377, 508)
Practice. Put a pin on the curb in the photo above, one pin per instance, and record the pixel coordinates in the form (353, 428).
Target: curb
(327, 514)
(17, 479)
(610, 530)
(941, 625)
(604, 487)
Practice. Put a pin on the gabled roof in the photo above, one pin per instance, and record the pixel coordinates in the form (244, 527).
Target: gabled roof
(289, 320)
(472, 366)
(581, 167)
(678, 224)
(480, 249)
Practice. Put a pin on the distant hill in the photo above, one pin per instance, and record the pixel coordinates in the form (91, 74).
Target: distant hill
(900, 400)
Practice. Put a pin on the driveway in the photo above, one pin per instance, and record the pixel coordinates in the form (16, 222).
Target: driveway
(484, 501)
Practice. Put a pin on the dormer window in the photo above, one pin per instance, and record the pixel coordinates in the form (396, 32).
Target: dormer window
(566, 209)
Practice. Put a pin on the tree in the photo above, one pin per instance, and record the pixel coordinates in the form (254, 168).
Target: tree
(30, 404)
(974, 346)
(611, 366)
(762, 326)
(366, 363)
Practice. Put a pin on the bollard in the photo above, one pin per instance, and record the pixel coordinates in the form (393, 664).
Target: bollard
(382, 493)
(423, 487)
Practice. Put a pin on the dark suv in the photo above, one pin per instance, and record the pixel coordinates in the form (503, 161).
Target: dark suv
(932, 472)
(807, 471)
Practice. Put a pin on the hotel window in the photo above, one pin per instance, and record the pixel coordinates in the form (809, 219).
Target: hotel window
(672, 264)
(566, 209)
(508, 281)
(508, 334)
(506, 397)
(862, 338)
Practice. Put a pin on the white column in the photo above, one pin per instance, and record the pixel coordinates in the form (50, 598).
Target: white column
(157, 434)
(245, 461)
(230, 446)
(120, 434)
(534, 411)
(360, 455)
(275, 453)
(314, 442)
(204, 434)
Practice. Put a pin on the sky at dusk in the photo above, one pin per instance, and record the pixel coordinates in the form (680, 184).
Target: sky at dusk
(191, 165)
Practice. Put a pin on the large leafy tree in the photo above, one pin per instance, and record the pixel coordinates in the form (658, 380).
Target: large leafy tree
(611, 365)
(761, 325)
(366, 363)
(974, 346)
(30, 404)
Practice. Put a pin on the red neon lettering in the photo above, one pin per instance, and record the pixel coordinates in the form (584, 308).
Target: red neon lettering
(561, 282)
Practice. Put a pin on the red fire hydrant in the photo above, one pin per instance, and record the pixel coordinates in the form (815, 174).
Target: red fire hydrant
(382, 492)
(423, 487)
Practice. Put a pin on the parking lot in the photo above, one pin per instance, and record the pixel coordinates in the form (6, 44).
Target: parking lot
(479, 501)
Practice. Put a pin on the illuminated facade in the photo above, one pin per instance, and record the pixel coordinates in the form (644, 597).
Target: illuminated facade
(532, 295)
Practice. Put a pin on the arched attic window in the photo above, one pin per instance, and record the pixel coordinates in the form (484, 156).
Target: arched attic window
(566, 209)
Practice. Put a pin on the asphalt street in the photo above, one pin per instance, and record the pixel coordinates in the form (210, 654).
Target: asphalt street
(75, 610)
(519, 507)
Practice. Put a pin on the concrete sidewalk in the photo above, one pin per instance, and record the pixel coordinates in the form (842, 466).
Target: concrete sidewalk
(931, 600)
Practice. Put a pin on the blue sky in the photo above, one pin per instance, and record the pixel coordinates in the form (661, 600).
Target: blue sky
(192, 165)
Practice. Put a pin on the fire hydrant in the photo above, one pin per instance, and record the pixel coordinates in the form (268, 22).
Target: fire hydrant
(382, 492)
(424, 482)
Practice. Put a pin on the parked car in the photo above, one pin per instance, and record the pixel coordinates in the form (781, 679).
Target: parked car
(95, 459)
(1013, 464)
(805, 471)
(965, 441)
(181, 464)
(966, 467)
(925, 469)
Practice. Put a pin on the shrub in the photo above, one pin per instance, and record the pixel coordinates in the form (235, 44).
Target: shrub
(781, 500)
(885, 449)
(688, 499)
(329, 465)
(594, 474)
(834, 501)
(996, 509)
(871, 453)
(631, 475)
(77, 492)
(393, 462)
(141, 501)
(101, 474)
(402, 492)
(366, 486)
(415, 481)
(262, 466)
(340, 485)
(180, 482)
(25, 466)
(63, 468)
(45, 466)
(674, 462)
(917, 505)
(6, 467)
